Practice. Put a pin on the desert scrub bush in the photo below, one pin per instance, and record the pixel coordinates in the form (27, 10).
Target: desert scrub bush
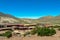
(25, 34)
(59, 28)
(2, 34)
(52, 32)
(46, 32)
(56, 26)
(7, 34)
(33, 32)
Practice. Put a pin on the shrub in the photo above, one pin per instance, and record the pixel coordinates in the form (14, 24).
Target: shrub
(59, 28)
(1, 35)
(34, 31)
(46, 32)
(56, 26)
(27, 33)
(43, 31)
(8, 34)
(52, 32)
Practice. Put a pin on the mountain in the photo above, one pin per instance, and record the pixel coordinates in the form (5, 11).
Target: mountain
(46, 18)
(7, 18)
(50, 19)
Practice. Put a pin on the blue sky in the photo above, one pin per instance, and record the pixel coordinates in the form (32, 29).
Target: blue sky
(30, 8)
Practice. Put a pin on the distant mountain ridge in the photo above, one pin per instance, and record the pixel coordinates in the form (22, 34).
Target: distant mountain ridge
(7, 18)
(50, 19)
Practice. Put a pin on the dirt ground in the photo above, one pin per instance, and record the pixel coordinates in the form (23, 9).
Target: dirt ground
(55, 37)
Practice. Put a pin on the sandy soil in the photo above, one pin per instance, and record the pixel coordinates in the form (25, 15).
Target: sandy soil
(55, 37)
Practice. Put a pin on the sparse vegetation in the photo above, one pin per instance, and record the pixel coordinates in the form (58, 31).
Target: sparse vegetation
(56, 26)
(33, 32)
(25, 34)
(59, 28)
(5, 22)
(7, 34)
(43, 31)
